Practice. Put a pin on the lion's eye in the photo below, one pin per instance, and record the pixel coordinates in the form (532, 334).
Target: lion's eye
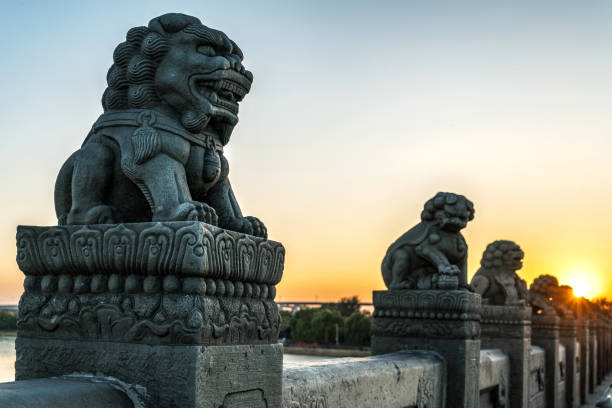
(206, 50)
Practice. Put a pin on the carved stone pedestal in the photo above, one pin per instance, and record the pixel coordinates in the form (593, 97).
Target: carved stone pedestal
(509, 328)
(585, 367)
(446, 322)
(545, 334)
(182, 311)
(568, 338)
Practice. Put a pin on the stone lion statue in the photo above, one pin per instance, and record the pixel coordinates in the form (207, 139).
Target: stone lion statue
(156, 153)
(496, 280)
(432, 254)
(541, 293)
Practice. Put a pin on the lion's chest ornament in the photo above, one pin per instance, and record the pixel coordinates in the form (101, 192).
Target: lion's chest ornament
(433, 254)
(156, 153)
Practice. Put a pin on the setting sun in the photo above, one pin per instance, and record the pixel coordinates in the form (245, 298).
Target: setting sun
(581, 288)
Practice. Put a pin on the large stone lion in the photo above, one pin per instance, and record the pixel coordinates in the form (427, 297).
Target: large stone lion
(157, 151)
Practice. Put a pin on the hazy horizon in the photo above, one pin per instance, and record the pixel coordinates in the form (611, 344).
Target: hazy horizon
(358, 114)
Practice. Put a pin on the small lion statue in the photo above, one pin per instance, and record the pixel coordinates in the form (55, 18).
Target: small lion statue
(156, 153)
(496, 280)
(541, 293)
(432, 254)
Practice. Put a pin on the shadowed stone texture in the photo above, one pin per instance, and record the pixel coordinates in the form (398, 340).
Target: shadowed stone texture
(497, 280)
(414, 379)
(545, 334)
(585, 352)
(494, 378)
(62, 393)
(433, 254)
(444, 321)
(568, 338)
(174, 376)
(537, 378)
(156, 153)
(509, 328)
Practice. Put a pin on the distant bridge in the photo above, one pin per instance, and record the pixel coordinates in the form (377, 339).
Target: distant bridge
(295, 306)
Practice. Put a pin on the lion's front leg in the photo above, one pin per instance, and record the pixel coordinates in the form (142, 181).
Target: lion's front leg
(221, 198)
(164, 184)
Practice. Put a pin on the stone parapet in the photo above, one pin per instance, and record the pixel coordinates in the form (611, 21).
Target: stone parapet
(545, 334)
(585, 367)
(509, 328)
(444, 321)
(152, 283)
(568, 337)
(408, 378)
(184, 310)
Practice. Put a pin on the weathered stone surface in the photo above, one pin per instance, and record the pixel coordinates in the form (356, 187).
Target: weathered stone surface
(496, 280)
(415, 379)
(545, 334)
(568, 338)
(62, 393)
(431, 314)
(433, 254)
(560, 397)
(182, 249)
(173, 376)
(593, 353)
(509, 329)
(585, 366)
(537, 378)
(153, 283)
(446, 322)
(156, 154)
(494, 379)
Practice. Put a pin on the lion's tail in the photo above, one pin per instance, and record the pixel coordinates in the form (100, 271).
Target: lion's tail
(63, 191)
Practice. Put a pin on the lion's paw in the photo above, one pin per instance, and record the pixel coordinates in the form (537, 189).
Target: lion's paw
(258, 227)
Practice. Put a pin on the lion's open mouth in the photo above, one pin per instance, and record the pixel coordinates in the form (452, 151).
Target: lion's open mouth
(223, 88)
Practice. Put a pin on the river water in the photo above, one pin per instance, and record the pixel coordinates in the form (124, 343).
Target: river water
(7, 357)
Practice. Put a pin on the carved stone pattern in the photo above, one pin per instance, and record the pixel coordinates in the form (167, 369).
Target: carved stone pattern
(425, 328)
(179, 248)
(436, 301)
(424, 392)
(309, 401)
(156, 318)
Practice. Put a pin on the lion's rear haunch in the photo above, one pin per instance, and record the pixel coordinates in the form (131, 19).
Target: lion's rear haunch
(156, 153)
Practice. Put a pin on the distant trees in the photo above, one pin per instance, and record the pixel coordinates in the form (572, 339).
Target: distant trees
(322, 325)
(8, 320)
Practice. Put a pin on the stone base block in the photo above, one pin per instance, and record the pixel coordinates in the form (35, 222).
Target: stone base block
(509, 328)
(168, 375)
(444, 321)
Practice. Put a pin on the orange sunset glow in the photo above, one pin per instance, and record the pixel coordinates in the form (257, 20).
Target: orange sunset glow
(359, 113)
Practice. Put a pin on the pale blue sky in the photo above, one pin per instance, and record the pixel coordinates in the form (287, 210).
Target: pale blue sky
(359, 112)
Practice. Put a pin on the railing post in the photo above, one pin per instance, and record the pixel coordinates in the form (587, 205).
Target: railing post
(567, 337)
(509, 328)
(545, 334)
(428, 305)
(182, 311)
(593, 352)
(583, 338)
(446, 322)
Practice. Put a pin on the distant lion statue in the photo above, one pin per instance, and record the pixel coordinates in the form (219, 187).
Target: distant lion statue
(496, 280)
(432, 254)
(156, 153)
